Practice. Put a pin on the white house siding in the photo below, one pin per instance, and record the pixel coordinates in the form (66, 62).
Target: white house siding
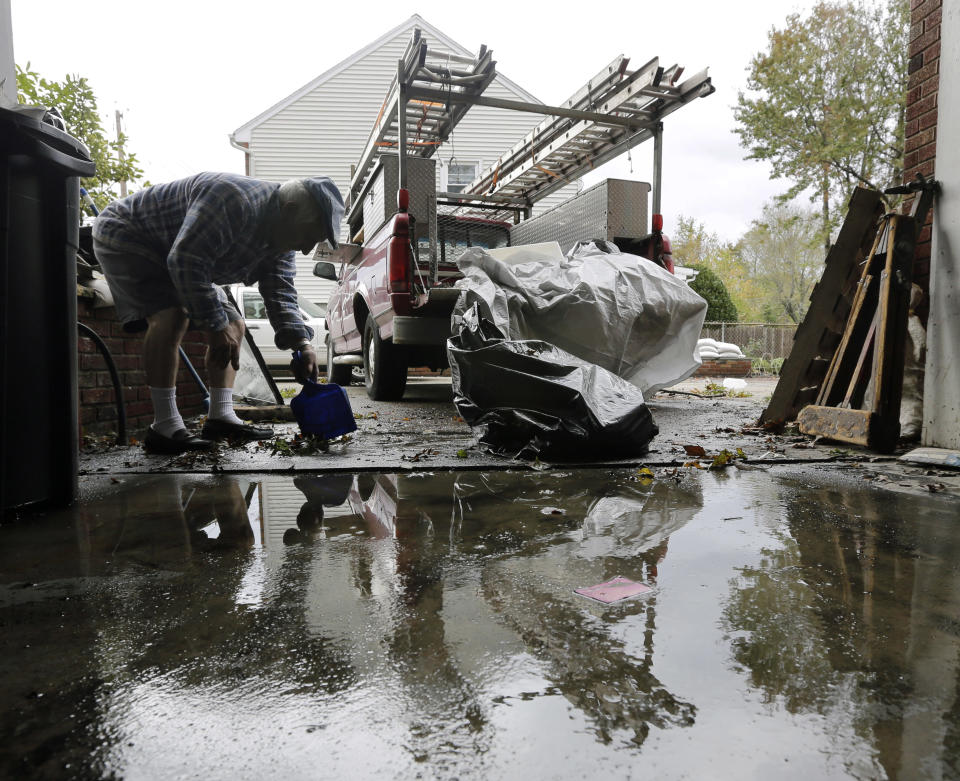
(280, 502)
(324, 131)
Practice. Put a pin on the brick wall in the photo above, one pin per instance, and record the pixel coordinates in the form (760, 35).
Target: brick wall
(921, 118)
(724, 367)
(98, 410)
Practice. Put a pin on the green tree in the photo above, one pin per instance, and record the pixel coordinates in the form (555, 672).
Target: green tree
(74, 99)
(782, 254)
(693, 245)
(719, 305)
(825, 103)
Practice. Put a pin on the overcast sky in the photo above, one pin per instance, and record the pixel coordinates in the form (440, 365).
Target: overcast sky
(187, 74)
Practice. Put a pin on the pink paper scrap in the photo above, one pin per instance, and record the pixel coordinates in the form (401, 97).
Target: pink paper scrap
(613, 590)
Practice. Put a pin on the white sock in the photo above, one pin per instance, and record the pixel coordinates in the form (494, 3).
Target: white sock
(221, 405)
(166, 416)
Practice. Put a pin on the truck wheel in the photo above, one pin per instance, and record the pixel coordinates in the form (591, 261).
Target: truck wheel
(336, 373)
(384, 364)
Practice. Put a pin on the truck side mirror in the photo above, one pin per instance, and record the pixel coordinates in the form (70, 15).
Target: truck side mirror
(325, 270)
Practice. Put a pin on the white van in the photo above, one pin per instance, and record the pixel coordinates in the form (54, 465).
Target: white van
(255, 316)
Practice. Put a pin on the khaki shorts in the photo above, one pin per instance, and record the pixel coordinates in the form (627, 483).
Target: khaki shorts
(141, 286)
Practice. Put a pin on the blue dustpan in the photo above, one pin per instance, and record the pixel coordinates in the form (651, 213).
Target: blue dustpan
(323, 410)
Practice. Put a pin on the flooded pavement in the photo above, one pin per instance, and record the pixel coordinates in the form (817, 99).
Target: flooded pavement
(354, 625)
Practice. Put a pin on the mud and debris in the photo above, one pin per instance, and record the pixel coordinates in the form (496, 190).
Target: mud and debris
(299, 444)
(424, 431)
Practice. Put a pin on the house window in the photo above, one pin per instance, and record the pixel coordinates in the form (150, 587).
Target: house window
(459, 175)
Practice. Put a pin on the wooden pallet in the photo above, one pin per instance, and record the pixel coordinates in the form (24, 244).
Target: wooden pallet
(859, 399)
(818, 336)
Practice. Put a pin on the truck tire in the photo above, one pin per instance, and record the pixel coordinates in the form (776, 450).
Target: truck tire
(336, 373)
(384, 365)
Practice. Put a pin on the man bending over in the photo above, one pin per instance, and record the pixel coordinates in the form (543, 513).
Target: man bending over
(166, 250)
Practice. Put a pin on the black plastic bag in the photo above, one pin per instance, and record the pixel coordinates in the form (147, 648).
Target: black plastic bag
(531, 399)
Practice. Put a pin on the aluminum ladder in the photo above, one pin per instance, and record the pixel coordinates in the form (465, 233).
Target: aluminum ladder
(414, 125)
(613, 112)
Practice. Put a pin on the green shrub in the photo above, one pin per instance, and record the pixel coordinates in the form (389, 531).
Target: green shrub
(720, 307)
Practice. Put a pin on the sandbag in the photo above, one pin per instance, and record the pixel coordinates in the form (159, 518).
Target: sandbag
(729, 347)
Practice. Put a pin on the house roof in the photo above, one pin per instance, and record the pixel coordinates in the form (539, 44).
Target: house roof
(242, 133)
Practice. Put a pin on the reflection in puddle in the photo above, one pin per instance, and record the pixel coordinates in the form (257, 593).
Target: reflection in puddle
(428, 623)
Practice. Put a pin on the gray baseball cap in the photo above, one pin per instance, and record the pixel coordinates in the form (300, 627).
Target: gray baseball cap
(328, 197)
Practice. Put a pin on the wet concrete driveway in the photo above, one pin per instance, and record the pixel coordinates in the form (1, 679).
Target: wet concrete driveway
(367, 625)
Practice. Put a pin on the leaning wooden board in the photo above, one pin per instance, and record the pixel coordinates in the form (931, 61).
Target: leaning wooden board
(819, 334)
(857, 404)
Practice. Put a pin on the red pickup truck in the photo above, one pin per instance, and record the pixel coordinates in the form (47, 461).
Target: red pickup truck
(391, 307)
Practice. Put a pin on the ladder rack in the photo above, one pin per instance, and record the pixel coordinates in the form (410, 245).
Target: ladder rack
(415, 126)
(611, 113)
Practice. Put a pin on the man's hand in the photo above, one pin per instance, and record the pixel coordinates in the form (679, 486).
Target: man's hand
(304, 364)
(225, 345)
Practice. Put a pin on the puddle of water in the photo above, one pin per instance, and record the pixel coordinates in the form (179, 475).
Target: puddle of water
(427, 624)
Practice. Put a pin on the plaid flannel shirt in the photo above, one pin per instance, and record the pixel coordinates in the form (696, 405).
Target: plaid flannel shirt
(207, 230)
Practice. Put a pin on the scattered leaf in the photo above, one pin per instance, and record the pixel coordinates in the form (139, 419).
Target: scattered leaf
(695, 450)
(722, 459)
(298, 445)
(693, 464)
(423, 455)
(461, 453)
(645, 476)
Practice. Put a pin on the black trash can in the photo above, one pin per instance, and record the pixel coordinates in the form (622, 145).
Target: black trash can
(40, 170)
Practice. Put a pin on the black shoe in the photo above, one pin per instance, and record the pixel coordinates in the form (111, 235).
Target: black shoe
(180, 442)
(217, 429)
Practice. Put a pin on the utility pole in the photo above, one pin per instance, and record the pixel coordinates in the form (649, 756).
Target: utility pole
(123, 182)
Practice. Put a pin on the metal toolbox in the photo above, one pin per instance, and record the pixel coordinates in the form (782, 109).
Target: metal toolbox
(612, 209)
(380, 196)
